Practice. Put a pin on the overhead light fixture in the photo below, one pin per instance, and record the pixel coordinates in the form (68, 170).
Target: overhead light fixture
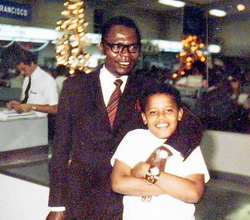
(173, 3)
(217, 13)
(168, 46)
(241, 7)
(214, 48)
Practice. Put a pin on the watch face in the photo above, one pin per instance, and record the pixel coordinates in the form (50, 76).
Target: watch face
(155, 171)
(163, 154)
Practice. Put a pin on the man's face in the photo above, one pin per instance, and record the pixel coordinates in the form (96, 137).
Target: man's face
(120, 63)
(26, 69)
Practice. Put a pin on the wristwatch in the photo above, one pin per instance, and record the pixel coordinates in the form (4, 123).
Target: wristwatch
(153, 174)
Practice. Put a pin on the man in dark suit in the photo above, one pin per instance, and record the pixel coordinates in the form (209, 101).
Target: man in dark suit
(85, 140)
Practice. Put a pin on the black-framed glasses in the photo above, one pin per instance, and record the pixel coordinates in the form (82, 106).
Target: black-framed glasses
(118, 48)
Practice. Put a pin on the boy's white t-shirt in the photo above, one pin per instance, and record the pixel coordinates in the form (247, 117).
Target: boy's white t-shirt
(137, 146)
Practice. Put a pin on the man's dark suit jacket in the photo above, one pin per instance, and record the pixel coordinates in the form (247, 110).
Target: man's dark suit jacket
(84, 144)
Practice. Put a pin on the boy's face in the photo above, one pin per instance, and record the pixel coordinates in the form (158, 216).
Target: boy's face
(162, 115)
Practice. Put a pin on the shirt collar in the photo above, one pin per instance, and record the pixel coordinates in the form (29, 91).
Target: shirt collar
(106, 77)
(34, 74)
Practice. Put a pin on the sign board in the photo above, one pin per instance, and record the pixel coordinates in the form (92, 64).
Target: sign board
(15, 10)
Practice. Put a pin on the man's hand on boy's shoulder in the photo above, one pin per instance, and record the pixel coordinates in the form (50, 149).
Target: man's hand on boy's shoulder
(56, 216)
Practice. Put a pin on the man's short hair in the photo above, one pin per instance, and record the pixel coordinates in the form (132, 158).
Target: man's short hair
(119, 20)
(26, 57)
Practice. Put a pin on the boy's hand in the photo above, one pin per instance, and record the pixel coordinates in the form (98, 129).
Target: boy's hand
(140, 170)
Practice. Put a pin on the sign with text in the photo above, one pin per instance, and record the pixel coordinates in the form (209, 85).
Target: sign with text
(15, 10)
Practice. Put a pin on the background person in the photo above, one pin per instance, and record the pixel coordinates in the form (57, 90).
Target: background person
(39, 86)
(61, 74)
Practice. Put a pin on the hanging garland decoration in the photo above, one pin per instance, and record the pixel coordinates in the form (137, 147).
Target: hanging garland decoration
(8, 45)
(34, 50)
(71, 46)
(192, 51)
(20, 44)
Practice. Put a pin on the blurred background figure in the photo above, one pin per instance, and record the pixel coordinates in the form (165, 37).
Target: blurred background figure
(196, 77)
(237, 81)
(11, 78)
(39, 92)
(219, 108)
(61, 73)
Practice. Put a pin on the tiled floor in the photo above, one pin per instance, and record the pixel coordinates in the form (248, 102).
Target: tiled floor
(223, 200)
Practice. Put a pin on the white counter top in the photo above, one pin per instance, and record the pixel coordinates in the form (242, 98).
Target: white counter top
(23, 132)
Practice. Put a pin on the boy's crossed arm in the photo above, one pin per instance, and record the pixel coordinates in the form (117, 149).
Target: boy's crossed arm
(132, 182)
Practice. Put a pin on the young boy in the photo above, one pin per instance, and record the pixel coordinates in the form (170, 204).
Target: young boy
(174, 190)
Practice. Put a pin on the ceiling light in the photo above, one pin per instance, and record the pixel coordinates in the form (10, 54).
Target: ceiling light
(173, 3)
(241, 7)
(217, 13)
(168, 46)
(213, 48)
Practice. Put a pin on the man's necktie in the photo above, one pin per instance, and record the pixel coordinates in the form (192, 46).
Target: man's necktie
(114, 101)
(26, 93)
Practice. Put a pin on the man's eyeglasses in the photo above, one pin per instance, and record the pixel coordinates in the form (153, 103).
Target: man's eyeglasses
(118, 48)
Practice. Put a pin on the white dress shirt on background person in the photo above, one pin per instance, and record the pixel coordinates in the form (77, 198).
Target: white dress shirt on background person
(43, 90)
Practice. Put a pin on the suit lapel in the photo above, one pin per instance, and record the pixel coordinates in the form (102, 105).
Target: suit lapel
(96, 92)
(97, 98)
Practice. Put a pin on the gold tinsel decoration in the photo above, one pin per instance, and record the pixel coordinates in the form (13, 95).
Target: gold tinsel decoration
(192, 51)
(71, 46)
